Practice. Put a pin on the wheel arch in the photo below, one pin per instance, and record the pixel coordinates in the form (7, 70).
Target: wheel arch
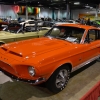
(68, 64)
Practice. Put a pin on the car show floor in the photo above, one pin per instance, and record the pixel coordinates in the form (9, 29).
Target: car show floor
(80, 82)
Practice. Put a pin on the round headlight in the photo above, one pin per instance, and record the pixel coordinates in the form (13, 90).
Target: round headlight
(31, 71)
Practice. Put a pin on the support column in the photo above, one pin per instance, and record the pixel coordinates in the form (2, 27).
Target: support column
(26, 12)
(59, 14)
(96, 14)
(68, 11)
(53, 14)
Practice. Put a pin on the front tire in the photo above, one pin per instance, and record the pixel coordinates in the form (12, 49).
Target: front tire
(98, 59)
(59, 79)
(1, 43)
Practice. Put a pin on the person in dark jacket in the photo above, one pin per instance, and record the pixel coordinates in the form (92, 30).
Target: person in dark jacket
(88, 22)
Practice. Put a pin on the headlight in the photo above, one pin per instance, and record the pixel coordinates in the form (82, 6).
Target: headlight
(31, 71)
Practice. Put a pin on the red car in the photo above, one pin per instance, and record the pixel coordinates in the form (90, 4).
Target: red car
(64, 49)
(3, 25)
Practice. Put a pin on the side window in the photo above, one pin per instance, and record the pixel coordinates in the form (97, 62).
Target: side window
(55, 32)
(92, 35)
(98, 35)
(31, 22)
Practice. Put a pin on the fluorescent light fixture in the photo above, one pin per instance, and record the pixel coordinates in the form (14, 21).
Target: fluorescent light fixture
(76, 3)
(40, 5)
(91, 7)
(87, 6)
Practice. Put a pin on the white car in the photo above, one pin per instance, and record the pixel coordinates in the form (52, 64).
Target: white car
(67, 22)
(28, 23)
(72, 21)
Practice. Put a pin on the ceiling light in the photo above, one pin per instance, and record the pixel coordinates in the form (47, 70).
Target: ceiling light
(40, 5)
(87, 6)
(76, 3)
(91, 7)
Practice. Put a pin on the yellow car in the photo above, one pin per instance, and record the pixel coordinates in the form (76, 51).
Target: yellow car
(15, 34)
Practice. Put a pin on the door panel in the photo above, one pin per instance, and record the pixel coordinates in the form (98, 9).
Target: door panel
(91, 50)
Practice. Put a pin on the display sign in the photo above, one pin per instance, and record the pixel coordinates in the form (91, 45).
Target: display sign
(21, 10)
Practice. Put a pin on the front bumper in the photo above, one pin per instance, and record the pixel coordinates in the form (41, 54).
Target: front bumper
(34, 82)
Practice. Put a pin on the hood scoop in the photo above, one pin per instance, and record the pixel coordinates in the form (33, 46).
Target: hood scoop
(4, 49)
(14, 53)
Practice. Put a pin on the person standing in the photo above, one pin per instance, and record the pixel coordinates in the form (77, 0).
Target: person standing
(9, 19)
(88, 22)
(82, 21)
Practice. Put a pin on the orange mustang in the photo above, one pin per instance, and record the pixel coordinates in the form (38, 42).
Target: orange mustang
(51, 59)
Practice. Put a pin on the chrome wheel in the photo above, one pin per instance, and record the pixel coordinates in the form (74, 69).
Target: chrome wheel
(61, 78)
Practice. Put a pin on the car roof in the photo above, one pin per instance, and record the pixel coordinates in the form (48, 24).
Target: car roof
(78, 26)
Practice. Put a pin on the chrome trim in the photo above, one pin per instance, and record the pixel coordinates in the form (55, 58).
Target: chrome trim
(84, 63)
(38, 81)
(34, 82)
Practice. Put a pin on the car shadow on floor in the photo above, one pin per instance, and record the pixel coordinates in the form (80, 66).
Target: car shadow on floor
(22, 91)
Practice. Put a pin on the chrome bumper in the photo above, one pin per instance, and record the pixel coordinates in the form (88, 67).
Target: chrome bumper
(34, 82)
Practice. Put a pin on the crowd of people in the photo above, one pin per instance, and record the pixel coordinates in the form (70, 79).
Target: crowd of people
(8, 19)
(84, 21)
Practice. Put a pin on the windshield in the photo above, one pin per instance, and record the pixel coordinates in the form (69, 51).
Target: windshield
(71, 34)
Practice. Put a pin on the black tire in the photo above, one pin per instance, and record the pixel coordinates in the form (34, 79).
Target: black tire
(98, 59)
(58, 82)
(1, 43)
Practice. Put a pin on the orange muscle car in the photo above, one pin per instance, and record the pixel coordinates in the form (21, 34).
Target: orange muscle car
(64, 49)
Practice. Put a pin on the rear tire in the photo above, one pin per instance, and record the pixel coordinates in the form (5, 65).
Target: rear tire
(59, 79)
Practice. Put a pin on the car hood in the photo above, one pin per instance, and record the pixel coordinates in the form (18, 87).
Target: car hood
(35, 46)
